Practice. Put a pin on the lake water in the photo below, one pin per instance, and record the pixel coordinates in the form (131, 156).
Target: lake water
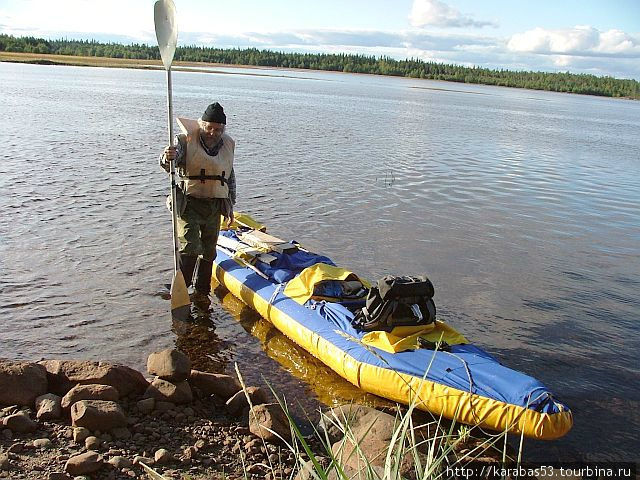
(521, 206)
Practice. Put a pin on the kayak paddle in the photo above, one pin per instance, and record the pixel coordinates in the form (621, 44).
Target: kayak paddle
(164, 15)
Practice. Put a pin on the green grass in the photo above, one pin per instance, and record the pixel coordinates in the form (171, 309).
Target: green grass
(427, 450)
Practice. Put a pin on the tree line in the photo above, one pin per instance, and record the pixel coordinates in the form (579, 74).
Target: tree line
(413, 68)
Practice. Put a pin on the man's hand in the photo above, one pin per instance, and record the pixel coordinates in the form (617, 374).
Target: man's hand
(170, 153)
(230, 219)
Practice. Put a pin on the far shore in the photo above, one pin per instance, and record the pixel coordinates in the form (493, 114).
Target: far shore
(204, 67)
(80, 61)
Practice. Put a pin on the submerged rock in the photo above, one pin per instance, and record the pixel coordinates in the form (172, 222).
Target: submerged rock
(222, 386)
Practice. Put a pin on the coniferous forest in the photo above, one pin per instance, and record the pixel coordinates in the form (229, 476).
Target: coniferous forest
(413, 68)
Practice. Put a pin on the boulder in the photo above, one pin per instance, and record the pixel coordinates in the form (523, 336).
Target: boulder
(269, 422)
(223, 386)
(164, 391)
(169, 364)
(48, 407)
(21, 382)
(237, 403)
(352, 415)
(84, 463)
(371, 433)
(20, 423)
(97, 415)
(90, 392)
(63, 375)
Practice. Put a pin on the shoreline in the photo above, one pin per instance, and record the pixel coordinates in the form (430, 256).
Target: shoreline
(182, 66)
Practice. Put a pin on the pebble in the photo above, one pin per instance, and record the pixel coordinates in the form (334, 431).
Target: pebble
(162, 456)
(92, 443)
(80, 434)
(190, 453)
(120, 462)
(58, 476)
(42, 443)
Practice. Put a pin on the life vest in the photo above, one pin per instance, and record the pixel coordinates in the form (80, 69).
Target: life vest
(206, 176)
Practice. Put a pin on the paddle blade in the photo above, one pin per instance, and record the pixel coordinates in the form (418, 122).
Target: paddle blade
(180, 303)
(164, 16)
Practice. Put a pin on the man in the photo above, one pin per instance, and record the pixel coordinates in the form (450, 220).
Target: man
(207, 190)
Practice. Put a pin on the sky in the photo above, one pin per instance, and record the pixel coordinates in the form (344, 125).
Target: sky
(601, 37)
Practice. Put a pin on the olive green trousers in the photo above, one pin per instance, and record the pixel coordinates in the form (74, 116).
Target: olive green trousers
(199, 225)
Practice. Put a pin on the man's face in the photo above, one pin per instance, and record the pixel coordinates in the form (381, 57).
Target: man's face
(212, 131)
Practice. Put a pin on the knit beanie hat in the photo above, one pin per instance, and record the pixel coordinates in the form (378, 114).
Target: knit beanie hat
(214, 113)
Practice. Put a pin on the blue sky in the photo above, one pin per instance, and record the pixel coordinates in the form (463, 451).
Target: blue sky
(599, 37)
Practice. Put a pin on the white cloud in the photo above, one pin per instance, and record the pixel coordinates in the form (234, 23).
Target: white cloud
(439, 14)
(577, 41)
(43, 17)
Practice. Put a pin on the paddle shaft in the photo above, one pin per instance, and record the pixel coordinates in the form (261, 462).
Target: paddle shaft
(174, 215)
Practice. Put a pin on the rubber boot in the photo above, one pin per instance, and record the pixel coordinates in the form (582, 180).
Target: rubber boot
(187, 265)
(203, 277)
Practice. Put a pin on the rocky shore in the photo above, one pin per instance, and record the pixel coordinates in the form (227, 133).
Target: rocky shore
(81, 420)
(62, 420)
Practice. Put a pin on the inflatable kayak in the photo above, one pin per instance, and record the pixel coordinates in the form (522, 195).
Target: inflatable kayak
(299, 293)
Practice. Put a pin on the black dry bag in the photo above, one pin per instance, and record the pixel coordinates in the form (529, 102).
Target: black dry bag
(396, 302)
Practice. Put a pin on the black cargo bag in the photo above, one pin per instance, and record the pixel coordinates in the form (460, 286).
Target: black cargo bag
(396, 302)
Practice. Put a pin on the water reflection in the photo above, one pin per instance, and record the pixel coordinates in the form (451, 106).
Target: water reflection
(327, 387)
(198, 339)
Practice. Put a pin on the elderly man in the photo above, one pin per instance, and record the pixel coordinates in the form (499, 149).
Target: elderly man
(207, 190)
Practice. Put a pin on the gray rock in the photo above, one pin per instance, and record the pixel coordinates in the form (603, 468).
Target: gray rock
(65, 374)
(269, 422)
(20, 423)
(90, 392)
(48, 407)
(21, 382)
(6, 433)
(84, 463)
(169, 364)
(97, 415)
(165, 391)
(4, 462)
